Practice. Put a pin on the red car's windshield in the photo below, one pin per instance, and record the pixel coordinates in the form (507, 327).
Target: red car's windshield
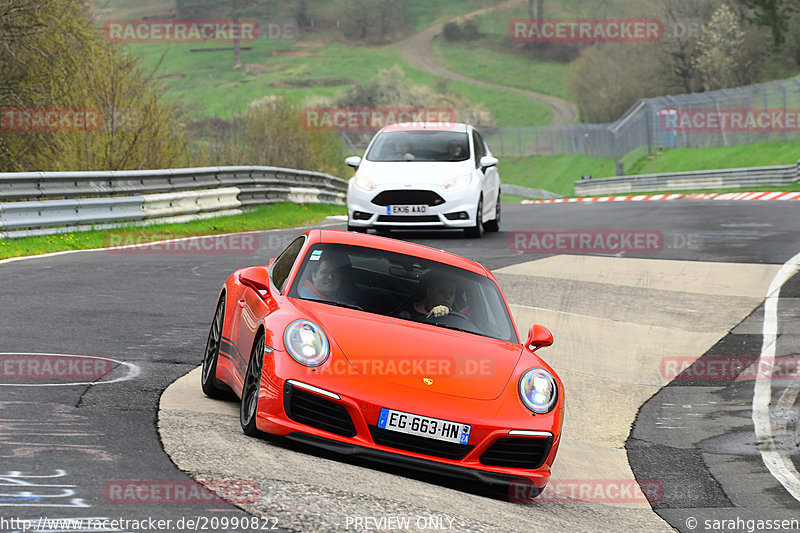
(405, 287)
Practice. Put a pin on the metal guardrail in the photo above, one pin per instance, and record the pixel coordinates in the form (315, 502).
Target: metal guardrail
(733, 178)
(172, 204)
(42, 185)
(16, 215)
(518, 190)
(43, 203)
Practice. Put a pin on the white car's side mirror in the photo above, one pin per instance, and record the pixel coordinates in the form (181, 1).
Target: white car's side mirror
(353, 161)
(488, 161)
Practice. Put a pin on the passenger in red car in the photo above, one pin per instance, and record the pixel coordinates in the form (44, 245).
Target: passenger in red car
(326, 280)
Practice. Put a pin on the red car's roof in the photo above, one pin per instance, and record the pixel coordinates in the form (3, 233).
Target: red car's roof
(394, 245)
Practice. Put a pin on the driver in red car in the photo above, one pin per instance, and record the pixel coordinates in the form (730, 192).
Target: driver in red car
(440, 292)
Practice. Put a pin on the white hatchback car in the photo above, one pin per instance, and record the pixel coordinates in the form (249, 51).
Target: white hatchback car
(425, 176)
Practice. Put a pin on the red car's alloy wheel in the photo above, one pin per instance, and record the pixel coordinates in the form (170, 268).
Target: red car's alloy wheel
(212, 387)
(252, 381)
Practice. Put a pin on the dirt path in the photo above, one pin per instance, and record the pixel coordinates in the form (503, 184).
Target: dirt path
(417, 50)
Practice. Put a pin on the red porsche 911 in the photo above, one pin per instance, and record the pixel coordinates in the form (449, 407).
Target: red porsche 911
(371, 346)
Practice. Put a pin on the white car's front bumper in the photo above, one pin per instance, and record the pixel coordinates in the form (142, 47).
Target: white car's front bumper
(445, 209)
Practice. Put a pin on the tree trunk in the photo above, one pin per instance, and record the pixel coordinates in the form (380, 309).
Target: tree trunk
(237, 52)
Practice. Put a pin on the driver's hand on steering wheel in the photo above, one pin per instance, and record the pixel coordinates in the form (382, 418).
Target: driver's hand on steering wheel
(439, 310)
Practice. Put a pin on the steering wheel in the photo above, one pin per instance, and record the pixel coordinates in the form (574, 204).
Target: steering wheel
(453, 318)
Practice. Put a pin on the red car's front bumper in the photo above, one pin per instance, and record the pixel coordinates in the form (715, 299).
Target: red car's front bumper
(498, 453)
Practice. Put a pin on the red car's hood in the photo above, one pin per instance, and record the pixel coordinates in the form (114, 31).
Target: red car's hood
(421, 356)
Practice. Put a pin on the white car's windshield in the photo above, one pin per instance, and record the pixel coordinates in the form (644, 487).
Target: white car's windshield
(420, 146)
(405, 287)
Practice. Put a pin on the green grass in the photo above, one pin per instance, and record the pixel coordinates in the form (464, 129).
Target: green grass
(554, 173)
(125, 9)
(478, 61)
(282, 215)
(495, 58)
(686, 159)
(557, 173)
(424, 13)
(508, 109)
(208, 86)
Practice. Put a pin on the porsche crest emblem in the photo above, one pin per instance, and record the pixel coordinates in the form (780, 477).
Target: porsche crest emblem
(427, 381)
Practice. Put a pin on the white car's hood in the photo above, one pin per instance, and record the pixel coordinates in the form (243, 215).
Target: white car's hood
(413, 172)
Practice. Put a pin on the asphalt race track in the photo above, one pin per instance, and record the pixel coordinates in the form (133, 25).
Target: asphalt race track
(678, 413)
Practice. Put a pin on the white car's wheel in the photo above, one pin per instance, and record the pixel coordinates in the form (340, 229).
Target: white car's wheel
(494, 225)
(476, 231)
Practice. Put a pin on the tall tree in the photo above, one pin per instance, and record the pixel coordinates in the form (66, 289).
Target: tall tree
(775, 15)
(537, 13)
(52, 56)
(720, 51)
(677, 51)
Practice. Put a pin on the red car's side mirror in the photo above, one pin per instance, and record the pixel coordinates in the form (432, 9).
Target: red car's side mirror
(256, 278)
(538, 337)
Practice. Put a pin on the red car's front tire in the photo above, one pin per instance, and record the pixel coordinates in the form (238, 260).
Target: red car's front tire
(250, 389)
(213, 387)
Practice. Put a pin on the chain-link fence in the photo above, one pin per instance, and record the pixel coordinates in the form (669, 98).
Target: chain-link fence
(743, 115)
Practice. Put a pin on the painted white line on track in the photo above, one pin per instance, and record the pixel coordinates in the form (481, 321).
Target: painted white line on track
(133, 371)
(779, 465)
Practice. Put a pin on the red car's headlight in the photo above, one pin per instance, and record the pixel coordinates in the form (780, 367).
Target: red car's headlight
(538, 390)
(306, 343)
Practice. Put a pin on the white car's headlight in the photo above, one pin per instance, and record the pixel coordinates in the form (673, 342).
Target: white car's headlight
(458, 182)
(538, 390)
(363, 183)
(306, 343)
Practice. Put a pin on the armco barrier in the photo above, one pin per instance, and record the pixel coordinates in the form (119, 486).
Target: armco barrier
(518, 190)
(173, 204)
(43, 185)
(44, 203)
(733, 178)
(16, 215)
